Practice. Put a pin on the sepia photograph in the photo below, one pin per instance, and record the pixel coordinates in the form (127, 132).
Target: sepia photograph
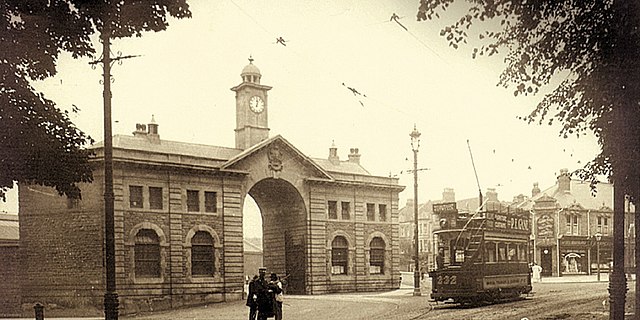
(321, 160)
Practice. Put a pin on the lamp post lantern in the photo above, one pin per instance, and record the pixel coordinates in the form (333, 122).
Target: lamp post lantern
(598, 237)
(415, 144)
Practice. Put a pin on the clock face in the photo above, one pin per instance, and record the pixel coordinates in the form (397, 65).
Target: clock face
(256, 104)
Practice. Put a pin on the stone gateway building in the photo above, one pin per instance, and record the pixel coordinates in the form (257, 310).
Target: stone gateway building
(328, 224)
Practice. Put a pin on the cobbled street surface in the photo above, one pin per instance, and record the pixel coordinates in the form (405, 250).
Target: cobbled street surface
(550, 300)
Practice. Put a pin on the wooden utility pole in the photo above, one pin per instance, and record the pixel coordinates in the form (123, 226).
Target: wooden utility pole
(111, 296)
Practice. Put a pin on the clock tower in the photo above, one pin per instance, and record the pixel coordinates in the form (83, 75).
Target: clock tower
(252, 124)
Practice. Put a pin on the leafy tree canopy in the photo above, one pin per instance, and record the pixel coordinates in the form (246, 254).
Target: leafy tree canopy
(593, 45)
(38, 142)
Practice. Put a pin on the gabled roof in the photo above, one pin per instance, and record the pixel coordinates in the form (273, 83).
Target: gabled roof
(262, 144)
(579, 193)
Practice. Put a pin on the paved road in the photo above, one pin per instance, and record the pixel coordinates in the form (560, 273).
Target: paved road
(557, 300)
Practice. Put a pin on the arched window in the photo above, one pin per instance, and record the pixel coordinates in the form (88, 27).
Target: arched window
(147, 254)
(339, 255)
(376, 256)
(202, 255)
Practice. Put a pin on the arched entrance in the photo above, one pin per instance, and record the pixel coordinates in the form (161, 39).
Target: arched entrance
(283, 214)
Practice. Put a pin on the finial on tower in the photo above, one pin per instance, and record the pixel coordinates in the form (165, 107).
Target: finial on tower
(250, 59)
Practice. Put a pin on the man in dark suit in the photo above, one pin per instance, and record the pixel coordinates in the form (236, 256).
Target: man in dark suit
(252, 299)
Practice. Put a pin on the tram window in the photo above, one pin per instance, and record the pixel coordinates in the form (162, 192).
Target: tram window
(457, 250)
(490, 252)
(522, 253)
(512, 252)
(502, 252)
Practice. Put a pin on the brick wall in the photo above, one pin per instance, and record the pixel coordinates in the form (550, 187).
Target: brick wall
(61, 251)
(9, 281)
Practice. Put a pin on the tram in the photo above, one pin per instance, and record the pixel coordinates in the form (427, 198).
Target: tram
(482, 257)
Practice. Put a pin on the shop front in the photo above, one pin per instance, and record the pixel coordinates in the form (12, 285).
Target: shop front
(580, 254)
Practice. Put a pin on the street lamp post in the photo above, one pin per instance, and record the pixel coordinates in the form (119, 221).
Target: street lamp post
(415, 144)
(598, 238)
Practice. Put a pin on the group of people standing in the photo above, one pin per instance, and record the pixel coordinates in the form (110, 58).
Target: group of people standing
(265, 298)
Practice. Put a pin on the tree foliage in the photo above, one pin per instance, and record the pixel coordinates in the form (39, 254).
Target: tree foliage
(592, 45)
(38, 142)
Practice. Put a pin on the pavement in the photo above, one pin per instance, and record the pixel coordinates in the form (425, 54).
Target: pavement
(406, 289)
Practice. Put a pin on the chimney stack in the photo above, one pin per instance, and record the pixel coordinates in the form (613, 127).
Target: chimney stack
(333, 154)
(564, 180)
(492, 195)
(536, 190)
(141, 130)
(448, 195)
(354, 156)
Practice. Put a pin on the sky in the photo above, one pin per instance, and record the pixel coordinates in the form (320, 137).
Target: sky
(410, 77)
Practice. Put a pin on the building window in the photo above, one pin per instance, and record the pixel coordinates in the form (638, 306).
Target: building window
(603, 225)
(376, 256)
(333, 209)
(371, 212)
(135, 196)
(210, 201)
(155, 198)
(572, 224)
(193, 200)
(339, 255)
(202, 255)
(346, 213)
(147, 254)
(383, 212)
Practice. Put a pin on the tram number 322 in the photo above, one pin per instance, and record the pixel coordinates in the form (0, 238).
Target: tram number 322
(446, 279)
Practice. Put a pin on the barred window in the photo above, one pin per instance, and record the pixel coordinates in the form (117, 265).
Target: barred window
(147, 254)
(376, 256)
(155, 197)
(193, 200)
(202, 254)
(210, 201)
(339, 255)
(333, 209)
(135, 196)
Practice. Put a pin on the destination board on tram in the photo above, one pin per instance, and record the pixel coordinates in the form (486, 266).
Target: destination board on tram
(512, 221)
(445, 207)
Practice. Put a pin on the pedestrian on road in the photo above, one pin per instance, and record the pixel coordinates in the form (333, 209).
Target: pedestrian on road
(279, 296)
(440, 259)
(252, 299)
(265, 296)
(537, 271)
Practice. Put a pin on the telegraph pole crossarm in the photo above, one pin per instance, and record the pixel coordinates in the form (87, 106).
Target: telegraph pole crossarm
(111, 296)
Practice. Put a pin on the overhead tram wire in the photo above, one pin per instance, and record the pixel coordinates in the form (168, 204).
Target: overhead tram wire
(327, 73)
(395, 18)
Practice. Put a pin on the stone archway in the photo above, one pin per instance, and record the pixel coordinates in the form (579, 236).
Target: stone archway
(284, 230)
